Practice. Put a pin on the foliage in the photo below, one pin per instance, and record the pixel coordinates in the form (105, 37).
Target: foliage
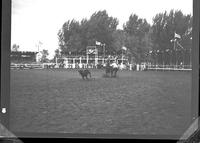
(138, 36)
(57, 55)
(74, 36)
(137, 40)
(44, 53)
(164, 27)
(15, 47)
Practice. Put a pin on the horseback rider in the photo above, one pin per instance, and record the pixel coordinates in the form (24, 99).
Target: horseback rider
(111, 68)
(114, 68)
(114, 65)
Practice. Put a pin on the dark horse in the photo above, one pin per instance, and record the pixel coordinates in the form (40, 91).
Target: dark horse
(84, 73)
(111, 70)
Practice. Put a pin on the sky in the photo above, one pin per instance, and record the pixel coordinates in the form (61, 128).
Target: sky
(40, 20)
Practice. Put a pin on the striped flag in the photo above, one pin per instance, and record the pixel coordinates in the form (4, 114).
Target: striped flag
(91, 51)
(180, 45)
(124, 48)
(177, 35)
(98, 43)
(40, 43)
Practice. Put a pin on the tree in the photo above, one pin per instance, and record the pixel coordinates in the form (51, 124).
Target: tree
(101, 28)
(75, 36)
(15, 47)
(57, 55)
(44, 53)
(119, 39)
(137, 40)
(69, 36)
(163, 31)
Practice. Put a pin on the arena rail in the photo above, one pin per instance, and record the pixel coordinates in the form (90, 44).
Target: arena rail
(74, 66)
(26, 66)
(169, 67)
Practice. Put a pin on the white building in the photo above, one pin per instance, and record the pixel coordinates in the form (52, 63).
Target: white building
(38, 57)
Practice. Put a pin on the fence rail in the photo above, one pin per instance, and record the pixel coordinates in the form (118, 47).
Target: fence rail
(26, 66)
(170, 67)
(130, 67)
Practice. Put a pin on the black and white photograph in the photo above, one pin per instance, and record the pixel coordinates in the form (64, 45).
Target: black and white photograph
(101, 67)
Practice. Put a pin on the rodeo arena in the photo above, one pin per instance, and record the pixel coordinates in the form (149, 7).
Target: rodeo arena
(142, 98)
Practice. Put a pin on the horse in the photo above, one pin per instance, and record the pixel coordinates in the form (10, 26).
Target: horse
(84, 73)
(61, 65)
(112, 69)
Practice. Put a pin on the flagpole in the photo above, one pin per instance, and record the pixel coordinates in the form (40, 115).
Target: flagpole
(156, 60)
(175, 55)
(87, 56)
(122, 57)
(163, 58)
(190, 58)
(183, 54)
(103, 53)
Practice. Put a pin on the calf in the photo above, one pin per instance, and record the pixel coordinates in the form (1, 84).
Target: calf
(84, 73)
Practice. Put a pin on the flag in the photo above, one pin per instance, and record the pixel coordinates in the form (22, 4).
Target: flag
(177, 35)
(91, 51)
(180, 45)
(124, 48)
(98, 43)
(40, 43)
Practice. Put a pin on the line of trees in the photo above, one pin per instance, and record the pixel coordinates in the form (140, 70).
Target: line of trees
(144, 42)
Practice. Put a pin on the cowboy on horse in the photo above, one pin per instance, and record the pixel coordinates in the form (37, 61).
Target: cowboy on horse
(114, 69)
(111, 68)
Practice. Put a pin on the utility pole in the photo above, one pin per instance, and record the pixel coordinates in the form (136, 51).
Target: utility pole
(104, 52)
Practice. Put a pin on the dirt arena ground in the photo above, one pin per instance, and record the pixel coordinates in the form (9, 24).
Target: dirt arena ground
(148, 102)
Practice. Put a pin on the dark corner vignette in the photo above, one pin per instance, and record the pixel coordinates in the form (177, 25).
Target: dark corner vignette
(5, 61)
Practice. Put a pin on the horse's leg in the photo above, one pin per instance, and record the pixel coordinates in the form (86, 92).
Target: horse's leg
(111, 73)
(115, 72)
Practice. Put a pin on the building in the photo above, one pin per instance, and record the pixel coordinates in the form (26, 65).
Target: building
(38, 57)
(23, 57)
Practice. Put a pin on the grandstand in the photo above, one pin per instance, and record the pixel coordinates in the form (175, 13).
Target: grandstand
(24, 60)
(23, 57)
(28, 60)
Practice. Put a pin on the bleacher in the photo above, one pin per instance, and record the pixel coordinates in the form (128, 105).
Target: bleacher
(169, 67)
(26, 66)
